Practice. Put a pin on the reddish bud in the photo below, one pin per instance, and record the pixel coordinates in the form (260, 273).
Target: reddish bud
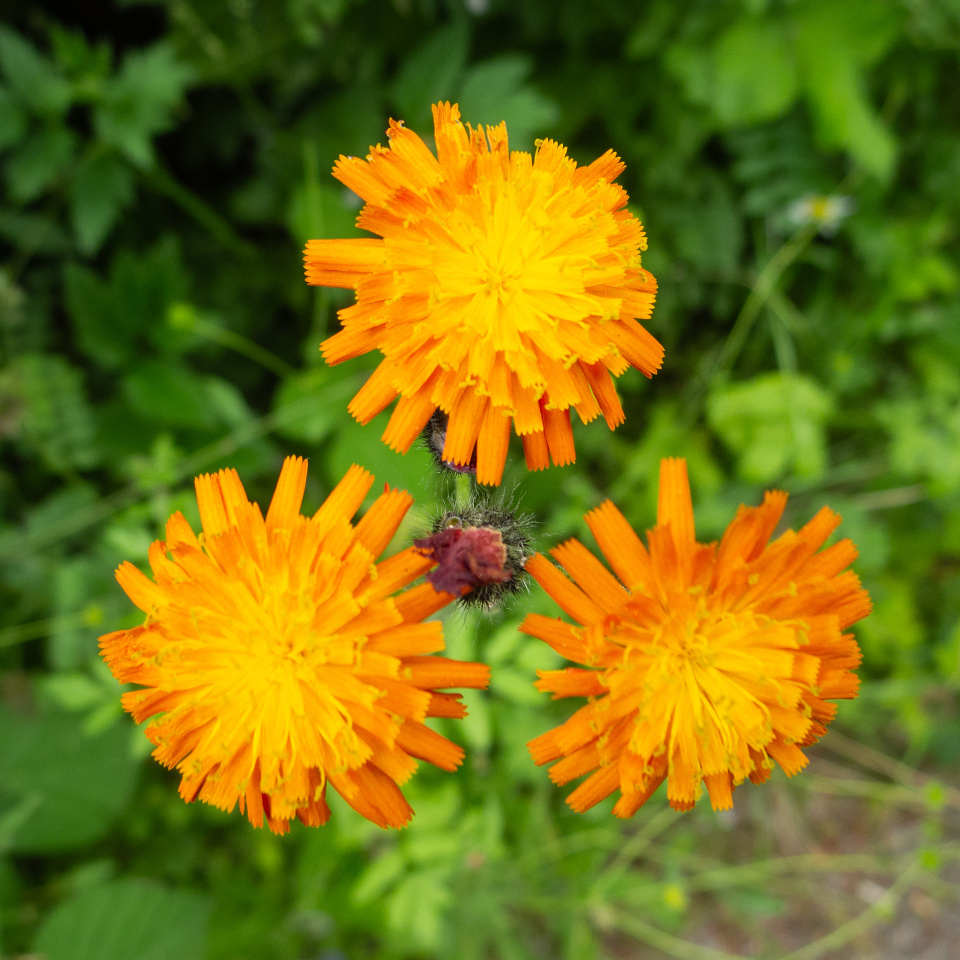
(467, 558)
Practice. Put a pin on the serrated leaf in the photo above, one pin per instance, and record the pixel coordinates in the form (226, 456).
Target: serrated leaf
(130, 919)
(756, 75)
(138, 104)
(101, 188)
(32, 75)
(38, 162)
(82, 783)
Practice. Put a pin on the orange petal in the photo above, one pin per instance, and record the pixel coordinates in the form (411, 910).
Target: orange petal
(559, 435)
(536, 451)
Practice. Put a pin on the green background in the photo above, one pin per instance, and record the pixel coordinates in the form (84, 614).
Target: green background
(162, 165)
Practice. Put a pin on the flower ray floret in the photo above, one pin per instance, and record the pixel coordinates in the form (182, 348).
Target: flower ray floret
(703, 664)
(277, 658)
(504, 289)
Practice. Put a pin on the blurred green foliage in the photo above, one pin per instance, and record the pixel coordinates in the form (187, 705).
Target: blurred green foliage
(795, 164)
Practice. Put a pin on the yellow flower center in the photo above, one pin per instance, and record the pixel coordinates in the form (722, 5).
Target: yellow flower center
(707, 670)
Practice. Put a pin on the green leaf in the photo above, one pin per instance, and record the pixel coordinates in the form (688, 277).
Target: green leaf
(312, 404)
(516, 686)
(354, 443)
(80, 783)
(318, 212)
(496, 90)
(892, 634)
(417, 906)
(39, 161)
(32, 75)
(756, 76)
(924, 434)
(13, 119)
(138, 104)
(34, 232)
(430, 74)
(72, 641)
(57, 421)
(101, 188)
(169, 394)
(112, 318)
(774, 423)
(130, 919)
(835, 42)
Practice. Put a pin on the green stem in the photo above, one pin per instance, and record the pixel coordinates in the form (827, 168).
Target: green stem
(21, 633)
(848, 931)
(661, 940)
(463, 489)
(164, 182)
(244, 346)
(760, 292)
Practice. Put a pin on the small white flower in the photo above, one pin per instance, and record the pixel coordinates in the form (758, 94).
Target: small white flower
(826, 212)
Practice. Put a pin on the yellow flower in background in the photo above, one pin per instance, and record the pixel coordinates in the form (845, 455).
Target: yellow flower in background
(703, 663)
(505, 289)
(277, 657)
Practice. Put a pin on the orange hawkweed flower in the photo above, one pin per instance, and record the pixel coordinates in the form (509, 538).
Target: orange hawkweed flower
(705, 663)
(505, 288)
(277, 657)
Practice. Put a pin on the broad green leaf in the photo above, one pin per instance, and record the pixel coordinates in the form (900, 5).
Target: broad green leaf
(496, 90)
(756, 76)
(37, 163)
(129, 919)
(774, 423)
(139, 102)
(102, 186)
(32, 75)
(80, 783)
(431, 73)
(835, 42)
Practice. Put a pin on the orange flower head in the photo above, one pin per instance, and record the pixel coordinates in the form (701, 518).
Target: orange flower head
(503, 288)
(704, 663)
(276, 656)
